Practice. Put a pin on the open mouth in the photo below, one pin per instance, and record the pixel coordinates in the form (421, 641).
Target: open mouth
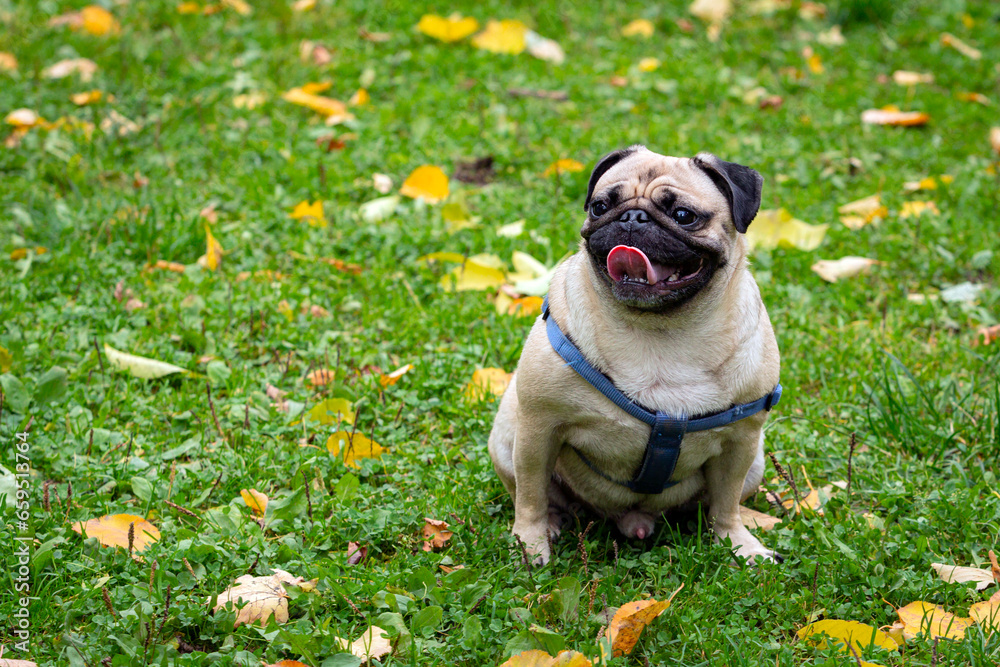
(630, 266)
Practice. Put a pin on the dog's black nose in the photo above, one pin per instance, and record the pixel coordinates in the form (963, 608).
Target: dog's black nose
(634, 215)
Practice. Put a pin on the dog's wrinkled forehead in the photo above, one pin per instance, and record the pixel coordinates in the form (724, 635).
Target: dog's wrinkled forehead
(638, 172)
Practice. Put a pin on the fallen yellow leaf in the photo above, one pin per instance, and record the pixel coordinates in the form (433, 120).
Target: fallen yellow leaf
(360, 98)
(442, 256)
(449, 29)
(213, 252)
(249, 100)
(858, 635)
(776, 227)
(536, 658)
(629, 622)
(563, 166)
(303, 5)
(310, 213)
(427, 182)
(987, 614)
(815, 64)
(995, 139)
(978, 98)
(99, 21)
(85, 98)
(473, 274)
(861, 212)
(894, 117)
(649, 64)
(832, 270)
(112, 531)
(255, 500)
(240, 6)
(392, 378)
(6, 359)
(925, 618)
(638, 28)
(487, 383)
(507, 36)
(326, 106)
(332, 411)
(913, 209)
(436, 534)
(353, 447)
(525, 306)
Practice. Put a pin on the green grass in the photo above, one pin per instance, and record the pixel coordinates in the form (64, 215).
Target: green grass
(858, 356)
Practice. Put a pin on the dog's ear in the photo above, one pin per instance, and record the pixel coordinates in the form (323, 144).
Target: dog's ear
(605, 163)
(741, 186)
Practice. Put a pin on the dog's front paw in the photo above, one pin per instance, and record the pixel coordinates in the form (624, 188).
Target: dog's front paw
(759, 554)
(748, 546)
(534, 544)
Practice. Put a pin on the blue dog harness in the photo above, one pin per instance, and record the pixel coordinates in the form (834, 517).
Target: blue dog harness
(664, 446)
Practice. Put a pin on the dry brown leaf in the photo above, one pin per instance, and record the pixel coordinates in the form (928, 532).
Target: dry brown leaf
(832, 270)
(995, 139)
(320, 377)
(255, 500)
(906, 78)
(8, 63)
(82, 66)
(262, 597)
(894, 117)
(355, 553)
(5, 662)
(374, 37)
(372, 644)
(957, 574)
(164, 265)
(753, 519)
(286, 663)
(994, 566)
(317, 54)
(926, 618)
(949, 39)
(436, 534)
(112, 531)
(277, 397)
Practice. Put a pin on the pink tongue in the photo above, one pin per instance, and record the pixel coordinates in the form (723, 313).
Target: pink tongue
(626, 261)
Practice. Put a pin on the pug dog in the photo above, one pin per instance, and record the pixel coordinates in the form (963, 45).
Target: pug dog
(658, 300)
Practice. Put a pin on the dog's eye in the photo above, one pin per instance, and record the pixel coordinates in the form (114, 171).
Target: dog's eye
(684, 216)
(598, 208)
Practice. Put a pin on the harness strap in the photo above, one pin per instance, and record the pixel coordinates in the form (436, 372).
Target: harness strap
(666, 432)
